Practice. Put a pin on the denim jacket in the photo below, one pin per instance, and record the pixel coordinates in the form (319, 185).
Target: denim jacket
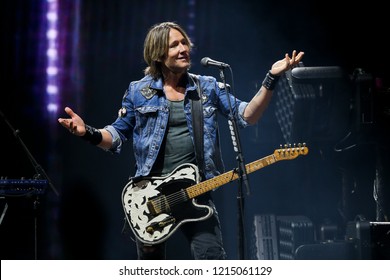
(144, 117)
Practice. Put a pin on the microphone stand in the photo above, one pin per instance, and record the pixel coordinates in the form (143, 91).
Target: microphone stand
(242, 174)
(40, 172)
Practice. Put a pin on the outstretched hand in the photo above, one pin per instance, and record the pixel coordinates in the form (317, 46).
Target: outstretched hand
(286, 63)
(74, 124)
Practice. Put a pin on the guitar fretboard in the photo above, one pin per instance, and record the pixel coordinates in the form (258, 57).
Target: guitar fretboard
(227, 177)
(213, 183)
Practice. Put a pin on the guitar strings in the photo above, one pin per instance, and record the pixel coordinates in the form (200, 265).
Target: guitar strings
(171, 199)
(174, 198)
(181, 196)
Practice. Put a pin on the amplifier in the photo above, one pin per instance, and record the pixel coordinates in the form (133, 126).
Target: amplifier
(329, 250)
(372, 239)
(313, 103)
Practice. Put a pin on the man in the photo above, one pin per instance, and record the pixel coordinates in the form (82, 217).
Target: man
(157, 114)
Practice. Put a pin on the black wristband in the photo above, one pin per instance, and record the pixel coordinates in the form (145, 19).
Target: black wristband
(270, 81)
(92, 135)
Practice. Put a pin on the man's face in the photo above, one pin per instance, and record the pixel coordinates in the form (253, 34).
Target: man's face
(178, 59)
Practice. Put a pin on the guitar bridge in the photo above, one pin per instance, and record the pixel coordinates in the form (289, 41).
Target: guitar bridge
(159, 225)
(158, 205)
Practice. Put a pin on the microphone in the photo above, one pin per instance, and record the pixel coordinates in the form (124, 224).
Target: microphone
(207, 61)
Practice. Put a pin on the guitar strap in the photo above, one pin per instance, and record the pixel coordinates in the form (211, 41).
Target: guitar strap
(197, 125)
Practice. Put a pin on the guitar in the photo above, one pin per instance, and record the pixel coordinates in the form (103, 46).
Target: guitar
(151, 203)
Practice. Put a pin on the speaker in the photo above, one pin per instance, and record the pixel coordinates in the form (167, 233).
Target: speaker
(277, 237)
(264, 243)
(294, 231)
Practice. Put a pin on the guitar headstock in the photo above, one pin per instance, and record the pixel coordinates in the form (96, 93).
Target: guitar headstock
(291, 152)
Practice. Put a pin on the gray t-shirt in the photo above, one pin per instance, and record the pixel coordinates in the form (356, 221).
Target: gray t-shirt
(177, 147)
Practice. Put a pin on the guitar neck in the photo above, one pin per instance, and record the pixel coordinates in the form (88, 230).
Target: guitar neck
(227, 177)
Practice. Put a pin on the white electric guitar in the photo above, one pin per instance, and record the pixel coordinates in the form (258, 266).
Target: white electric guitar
(154, 205)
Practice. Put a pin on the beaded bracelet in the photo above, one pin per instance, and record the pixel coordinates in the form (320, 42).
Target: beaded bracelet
(270, 81)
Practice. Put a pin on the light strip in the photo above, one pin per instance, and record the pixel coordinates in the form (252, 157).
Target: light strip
(52, 67)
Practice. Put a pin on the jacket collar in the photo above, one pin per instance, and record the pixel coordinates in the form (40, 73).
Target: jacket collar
(155, 85)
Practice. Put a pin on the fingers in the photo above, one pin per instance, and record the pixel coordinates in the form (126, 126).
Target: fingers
(68, 122)
(295, 58)
(69, 112)
(287, 63)
(299, 56)
(294, 54)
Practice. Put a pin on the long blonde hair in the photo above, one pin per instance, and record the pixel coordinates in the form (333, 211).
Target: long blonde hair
(156, 46)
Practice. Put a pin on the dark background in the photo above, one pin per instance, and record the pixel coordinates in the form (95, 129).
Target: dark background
(101, 52)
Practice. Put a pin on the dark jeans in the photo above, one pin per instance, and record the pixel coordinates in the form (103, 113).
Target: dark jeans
(204, 237)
